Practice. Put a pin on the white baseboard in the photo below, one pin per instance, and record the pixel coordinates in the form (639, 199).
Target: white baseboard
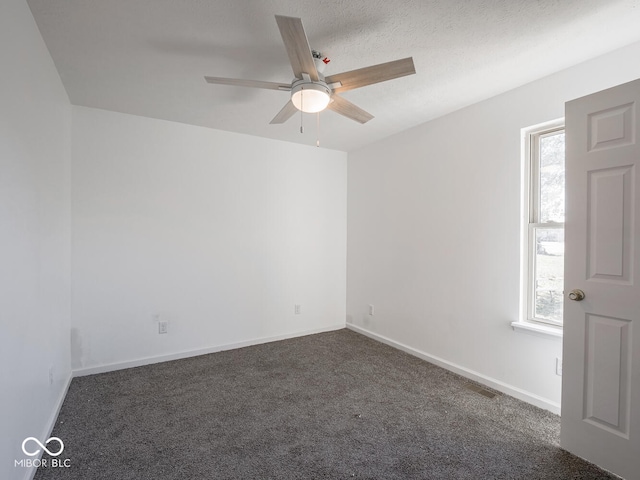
(81, 372)
(31, 472)
(516, 392)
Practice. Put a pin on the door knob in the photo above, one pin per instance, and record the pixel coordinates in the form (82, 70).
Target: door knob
(576, 295)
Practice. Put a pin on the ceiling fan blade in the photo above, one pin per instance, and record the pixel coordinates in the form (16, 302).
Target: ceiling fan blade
(297, 45)
(285, 114)
(249, 83)
(370, 75)
(345, 107)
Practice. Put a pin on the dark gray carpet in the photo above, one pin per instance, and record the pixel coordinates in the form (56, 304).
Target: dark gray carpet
(334, 405)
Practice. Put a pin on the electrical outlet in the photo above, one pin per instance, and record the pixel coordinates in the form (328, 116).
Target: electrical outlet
(163, 327)
(297, 309)
(559, 367)
(371, 310)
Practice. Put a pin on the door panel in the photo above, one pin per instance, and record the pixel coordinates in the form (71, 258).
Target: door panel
(612, 127)
(610, 197)
(601, 374)
(607, 371)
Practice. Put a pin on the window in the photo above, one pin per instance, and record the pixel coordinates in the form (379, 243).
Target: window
(544, 236)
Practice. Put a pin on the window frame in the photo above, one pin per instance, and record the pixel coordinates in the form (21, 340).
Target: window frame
(531, 220)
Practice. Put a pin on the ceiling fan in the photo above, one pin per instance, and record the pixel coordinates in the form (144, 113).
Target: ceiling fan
(312, 92)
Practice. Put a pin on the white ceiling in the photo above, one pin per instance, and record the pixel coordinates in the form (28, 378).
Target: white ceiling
(149, 57)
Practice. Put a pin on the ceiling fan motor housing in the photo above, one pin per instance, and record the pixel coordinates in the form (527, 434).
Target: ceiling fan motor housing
(320, 61)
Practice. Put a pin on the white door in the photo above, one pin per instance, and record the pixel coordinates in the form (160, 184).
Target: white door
(601, 375)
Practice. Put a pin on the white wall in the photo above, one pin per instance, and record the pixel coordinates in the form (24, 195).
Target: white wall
(218, 233)
(434, 233)
(34, 234)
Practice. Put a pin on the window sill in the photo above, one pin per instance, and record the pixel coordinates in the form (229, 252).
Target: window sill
(538, 329)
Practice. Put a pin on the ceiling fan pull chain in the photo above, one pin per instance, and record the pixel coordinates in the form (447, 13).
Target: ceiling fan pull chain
(318, 129)
(301, 105)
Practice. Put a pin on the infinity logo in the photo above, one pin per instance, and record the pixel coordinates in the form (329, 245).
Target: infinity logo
(24, 442)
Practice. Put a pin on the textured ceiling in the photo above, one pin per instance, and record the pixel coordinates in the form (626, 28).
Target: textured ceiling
(149, 57)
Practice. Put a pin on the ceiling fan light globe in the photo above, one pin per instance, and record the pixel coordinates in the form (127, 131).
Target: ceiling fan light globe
(310, 98)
